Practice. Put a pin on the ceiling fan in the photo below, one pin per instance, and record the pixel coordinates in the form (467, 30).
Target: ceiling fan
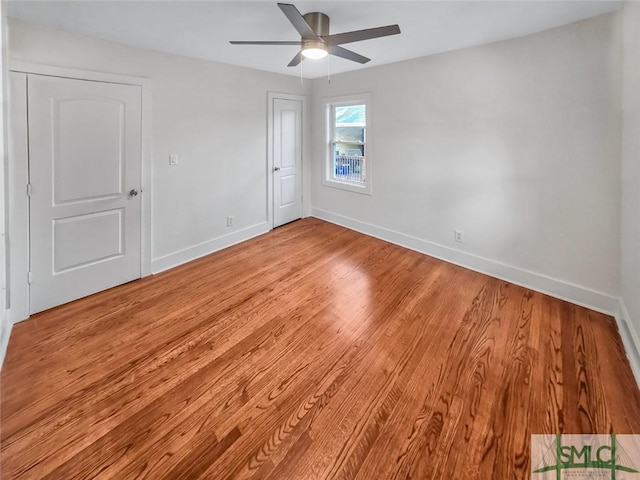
(316, 42)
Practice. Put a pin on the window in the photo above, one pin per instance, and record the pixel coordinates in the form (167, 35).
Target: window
(348, 158)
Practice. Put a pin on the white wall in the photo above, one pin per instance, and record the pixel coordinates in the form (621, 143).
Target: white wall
(515, 143)
(5, 324)
(631, 169)
(212, 115)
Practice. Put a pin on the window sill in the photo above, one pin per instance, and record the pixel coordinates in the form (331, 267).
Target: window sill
(348, 187)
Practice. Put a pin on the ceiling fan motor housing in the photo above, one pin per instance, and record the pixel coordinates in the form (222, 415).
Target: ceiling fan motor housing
(319, 22)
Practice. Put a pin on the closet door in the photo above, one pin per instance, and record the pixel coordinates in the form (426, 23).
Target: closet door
(85, 177)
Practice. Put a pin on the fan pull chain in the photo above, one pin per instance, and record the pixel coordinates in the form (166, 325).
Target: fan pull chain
(301, 62)
(329, 69)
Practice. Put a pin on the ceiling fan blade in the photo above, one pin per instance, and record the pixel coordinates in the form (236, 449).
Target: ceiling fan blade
(295, 60)
(356, 36)
(242, 42)
(348, 54)
(298, 21)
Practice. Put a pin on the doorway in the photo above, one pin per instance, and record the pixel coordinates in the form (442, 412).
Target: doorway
(285, 120)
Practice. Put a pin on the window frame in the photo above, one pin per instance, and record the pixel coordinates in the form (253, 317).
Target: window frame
(329, 105)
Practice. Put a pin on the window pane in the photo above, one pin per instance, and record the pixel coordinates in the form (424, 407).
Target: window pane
(350, 134)
(349, 164)
(350, 123)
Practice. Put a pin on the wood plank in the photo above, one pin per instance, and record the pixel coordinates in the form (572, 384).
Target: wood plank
(309, 352)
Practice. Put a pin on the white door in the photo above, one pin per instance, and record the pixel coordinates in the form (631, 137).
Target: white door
(287, 161)
(85, 177)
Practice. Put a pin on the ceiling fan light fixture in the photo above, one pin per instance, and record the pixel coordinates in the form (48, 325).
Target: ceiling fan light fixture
(314, 50)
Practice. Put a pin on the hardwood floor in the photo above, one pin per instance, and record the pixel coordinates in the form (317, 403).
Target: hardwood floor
(312, 352)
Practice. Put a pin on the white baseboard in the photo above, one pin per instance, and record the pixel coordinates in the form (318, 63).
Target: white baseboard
(570, 292)
(205, 248)
(5, 333)
(630, 339)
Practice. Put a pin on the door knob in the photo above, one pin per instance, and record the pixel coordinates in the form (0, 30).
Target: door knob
(277, 169)
(133, 192)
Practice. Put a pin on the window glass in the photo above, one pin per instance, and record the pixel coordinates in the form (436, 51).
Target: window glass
(349, 139)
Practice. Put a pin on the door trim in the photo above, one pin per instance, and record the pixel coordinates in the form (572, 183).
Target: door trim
(271, 96)
(18, 162)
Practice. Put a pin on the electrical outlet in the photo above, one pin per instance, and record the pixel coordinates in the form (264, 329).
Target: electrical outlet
(458, 236)
(230, 221)
(173, 159)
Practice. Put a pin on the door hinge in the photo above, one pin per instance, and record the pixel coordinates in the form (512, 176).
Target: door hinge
(29, 278)
(28, 189)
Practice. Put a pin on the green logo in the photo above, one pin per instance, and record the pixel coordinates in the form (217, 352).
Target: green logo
(585, 456)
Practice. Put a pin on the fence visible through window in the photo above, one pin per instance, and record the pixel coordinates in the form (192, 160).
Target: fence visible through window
(350, 168)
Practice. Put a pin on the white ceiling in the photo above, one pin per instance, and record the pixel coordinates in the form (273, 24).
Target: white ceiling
(202, 29)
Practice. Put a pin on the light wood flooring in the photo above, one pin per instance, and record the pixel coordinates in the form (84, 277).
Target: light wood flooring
(311, 352)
